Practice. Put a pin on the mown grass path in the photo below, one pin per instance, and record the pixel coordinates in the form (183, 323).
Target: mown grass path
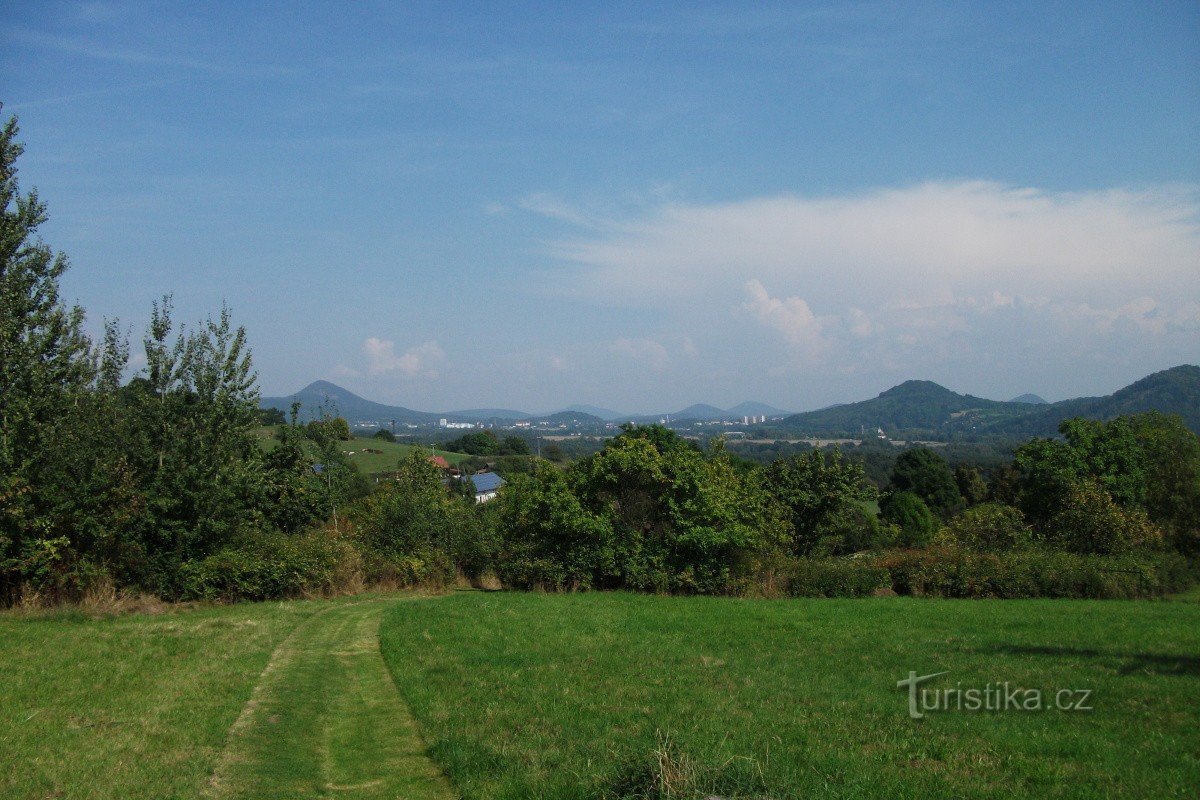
(325, 720)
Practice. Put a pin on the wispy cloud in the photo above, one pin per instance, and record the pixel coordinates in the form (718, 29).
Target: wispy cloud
(910, 245)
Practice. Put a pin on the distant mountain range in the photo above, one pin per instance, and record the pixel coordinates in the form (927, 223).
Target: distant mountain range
(914, 409)
(344, 403)
(925, 409)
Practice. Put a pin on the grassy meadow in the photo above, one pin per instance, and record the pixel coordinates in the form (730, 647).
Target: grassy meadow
(369, 463)
(507, 695)
(588, 696)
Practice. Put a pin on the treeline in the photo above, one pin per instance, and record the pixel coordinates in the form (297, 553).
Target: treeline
(155, 482)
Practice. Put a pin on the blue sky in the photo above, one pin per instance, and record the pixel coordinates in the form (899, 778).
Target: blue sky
(633, 205)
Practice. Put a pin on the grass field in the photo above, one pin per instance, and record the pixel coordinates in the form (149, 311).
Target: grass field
(506, 695)
(582, 696)
(269, 700)
(385, 460)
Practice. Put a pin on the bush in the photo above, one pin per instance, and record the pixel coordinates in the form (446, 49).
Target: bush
(989, 528)
(1090, 521)
(833, 577)
(268, 567)
(957, 572)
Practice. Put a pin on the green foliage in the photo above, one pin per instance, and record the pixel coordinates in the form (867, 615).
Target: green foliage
(1034, 572)
(413, 529)
(385, 435)
(927, 475)
(549, 540)
(989, 527)
(266, 567)
(970, 483)
(327, 427)
(46, 366)
(1090, 521)
(683, 521)
(833, 577)
(1171, 459)
(271, 416)
(911, 516)
(821, 494)
(478, 443)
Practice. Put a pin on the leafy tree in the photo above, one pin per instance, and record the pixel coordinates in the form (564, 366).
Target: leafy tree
(988, 527)
(385, 435)
(927, 475)
(909, 513)
(513, 446)
(1111, 455)
(550, 540)
(818, 493)
(1172, 470)
(271, 416)
(479, 443)
(45, 367)
(1090, 521)
(415, 526)
(682, 521)
(970, 484)
(341, 481)
(329, 427)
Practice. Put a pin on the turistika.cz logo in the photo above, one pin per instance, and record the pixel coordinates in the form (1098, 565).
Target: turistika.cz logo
(991, 697)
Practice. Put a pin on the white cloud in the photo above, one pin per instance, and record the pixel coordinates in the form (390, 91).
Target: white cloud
(789, 316)
(419, 360)
(903, 246)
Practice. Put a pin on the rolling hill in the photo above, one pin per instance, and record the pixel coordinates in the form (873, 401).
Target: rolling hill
(928, 410)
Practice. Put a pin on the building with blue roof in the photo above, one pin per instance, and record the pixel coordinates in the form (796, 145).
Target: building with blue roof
(486, 485)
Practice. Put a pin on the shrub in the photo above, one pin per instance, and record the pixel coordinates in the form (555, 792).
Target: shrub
(271, 566)
(990, 527)
(1091, 522)
(1035, 572)
(833, 577)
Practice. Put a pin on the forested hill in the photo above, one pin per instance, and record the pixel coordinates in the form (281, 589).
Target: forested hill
(1172, 391)
(926, 409)
(911, 406)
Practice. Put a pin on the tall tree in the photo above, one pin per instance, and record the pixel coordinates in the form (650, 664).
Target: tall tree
(45, 362)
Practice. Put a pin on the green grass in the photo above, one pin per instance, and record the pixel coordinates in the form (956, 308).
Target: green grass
(131, 707)
(369, 463)
(610, 695)
(596, 696)
(273, 700)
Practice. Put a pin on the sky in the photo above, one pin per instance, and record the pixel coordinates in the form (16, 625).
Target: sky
(633, 205)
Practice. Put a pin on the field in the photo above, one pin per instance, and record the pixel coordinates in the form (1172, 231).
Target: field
(505, 695)
(607, 696)
(385, 460)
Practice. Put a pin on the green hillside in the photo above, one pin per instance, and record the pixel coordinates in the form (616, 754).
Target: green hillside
(368, 455)
(923, 409)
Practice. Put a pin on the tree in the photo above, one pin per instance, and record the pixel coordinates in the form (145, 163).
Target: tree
(1172, 470)
(1090, 521)
(818, 492)
(970, 484)
(988, 527)
(927, 475)
(384, 434)
(908, 511)
(45, 366)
